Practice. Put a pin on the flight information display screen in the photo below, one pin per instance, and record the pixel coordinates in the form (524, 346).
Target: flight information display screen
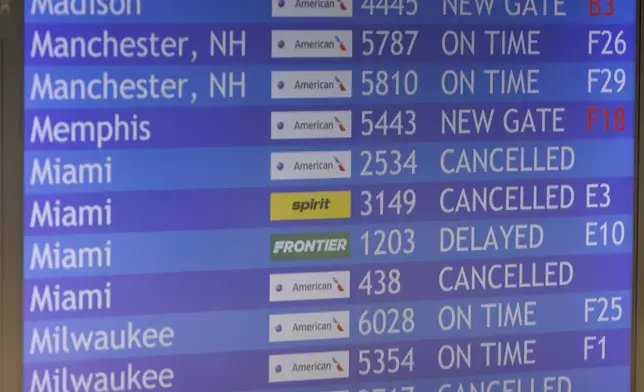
(329, 195)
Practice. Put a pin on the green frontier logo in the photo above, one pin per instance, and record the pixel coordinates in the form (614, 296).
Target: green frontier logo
(310, 246)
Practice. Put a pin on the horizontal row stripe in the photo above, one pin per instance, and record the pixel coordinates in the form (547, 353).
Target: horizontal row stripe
(140, 128)
(130, 295)
(308, 168)
(117, 87)
(160, 252)
(260, 11)
(195, 373)
(249, 208)
(243, 330)
(190, 44)
(567, 235)
(615, 378)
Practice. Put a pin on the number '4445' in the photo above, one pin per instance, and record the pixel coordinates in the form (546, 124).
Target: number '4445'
(390, 7)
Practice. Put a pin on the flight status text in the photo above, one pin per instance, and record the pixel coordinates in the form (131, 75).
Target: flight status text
(328, 195)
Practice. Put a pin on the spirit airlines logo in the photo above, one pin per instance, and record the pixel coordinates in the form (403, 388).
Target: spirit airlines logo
(310, 205)
(311, 165)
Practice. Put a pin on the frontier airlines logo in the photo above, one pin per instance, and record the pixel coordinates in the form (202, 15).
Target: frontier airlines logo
(310, 246)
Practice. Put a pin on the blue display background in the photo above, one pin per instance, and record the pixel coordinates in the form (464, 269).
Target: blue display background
(180, 236)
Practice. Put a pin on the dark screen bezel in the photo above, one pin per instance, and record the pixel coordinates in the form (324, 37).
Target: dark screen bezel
(11, 203)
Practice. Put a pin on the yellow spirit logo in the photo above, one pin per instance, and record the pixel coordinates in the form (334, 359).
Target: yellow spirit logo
(310, 205)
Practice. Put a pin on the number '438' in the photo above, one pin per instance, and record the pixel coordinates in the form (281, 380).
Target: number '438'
(390, 7)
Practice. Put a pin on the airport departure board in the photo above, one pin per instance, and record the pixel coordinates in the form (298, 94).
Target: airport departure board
(328, 195)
